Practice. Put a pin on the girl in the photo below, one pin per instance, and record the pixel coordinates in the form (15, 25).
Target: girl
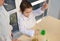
(27, 17)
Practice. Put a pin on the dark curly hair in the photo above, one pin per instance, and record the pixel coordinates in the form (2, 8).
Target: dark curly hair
(25, 4)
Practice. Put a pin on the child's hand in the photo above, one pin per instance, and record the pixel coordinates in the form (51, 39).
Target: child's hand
(45, 6)
(15, 40)
(37, 32)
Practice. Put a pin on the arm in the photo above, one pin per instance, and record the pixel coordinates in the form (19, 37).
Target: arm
(38, 12)
(5, 31)
(24, 30)
(5, 27)
(41, 10)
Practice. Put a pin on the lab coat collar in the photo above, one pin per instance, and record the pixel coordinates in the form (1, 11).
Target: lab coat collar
(3, 11)
(26, 18)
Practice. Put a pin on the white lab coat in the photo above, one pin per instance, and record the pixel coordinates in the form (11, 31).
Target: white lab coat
(27, 23)
(5, 27)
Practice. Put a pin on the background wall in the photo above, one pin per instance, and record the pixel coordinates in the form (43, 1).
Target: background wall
(54, 8)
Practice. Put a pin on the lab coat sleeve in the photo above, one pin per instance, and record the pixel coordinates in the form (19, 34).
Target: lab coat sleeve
(25, 31)
(5, 32)
(38, 12)
(5, 27)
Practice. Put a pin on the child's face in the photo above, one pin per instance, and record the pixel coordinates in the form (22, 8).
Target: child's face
(27, 12)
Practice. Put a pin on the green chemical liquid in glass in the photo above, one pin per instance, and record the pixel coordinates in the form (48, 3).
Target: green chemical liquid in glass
(43, 32)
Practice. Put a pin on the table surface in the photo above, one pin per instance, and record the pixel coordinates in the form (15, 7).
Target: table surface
(52, 27)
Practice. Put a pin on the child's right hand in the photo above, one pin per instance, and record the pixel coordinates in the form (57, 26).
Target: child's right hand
(37, 32)
(16, 40)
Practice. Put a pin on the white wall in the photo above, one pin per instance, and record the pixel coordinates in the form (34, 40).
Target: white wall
(54, 8)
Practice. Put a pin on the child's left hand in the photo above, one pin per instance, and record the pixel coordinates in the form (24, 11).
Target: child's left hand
(45, 6)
